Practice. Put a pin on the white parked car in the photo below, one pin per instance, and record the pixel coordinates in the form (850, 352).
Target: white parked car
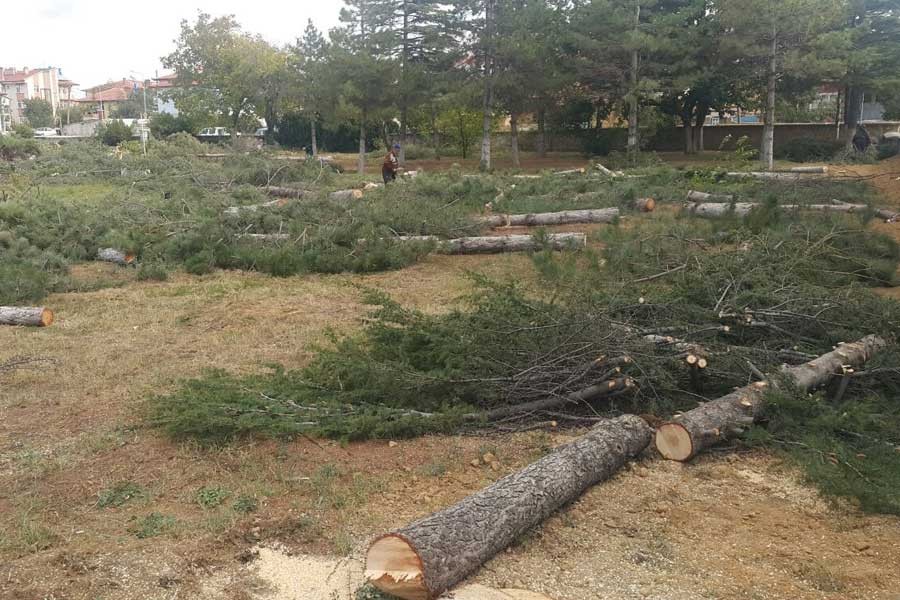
(43, 132)
(214, 132)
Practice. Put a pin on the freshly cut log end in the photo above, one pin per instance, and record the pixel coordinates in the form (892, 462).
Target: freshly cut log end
(32, 316)
(346, 195)
(394, 567)
(674, 442)
(645, 204)
(115, 256)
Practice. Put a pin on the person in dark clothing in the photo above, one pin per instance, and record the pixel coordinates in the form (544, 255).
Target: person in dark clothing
(861, 139)
(391, 165)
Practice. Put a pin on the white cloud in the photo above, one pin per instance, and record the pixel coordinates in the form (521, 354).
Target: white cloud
(94, 41)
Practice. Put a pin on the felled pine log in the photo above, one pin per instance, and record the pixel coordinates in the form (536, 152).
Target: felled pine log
(593, 215)
(115, 256)
(265, 237)
(285, 192)
(236, 210)
(569, 172)
(742, 209)
(34, 316)
(422, 560)
(342, 195)
(500, 243)
(822, 170)
(766, 175)
(689, 433)
(644, 205)
(695, 196)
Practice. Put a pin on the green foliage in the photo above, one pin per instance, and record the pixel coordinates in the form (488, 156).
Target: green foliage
(245, 504)
(807, 149)
(212, 496)
(39, 113)
(23, 130)
(15, 147)
(152, 272)
(113, 133)
(151, 525)
(120, 493)
(162, 125)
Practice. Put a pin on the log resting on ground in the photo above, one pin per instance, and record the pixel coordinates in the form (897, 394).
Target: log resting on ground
(766, 175)
(599, 215)
(236, 210)
(742, 209)
(695, 196)
(265, 237)
(569, 172)
(497, 244)
(422, 560)
(346, 195)
(34, 316)
(809, 169)
(115, 256)
(689, 433)
(644, 205)
(285, 192)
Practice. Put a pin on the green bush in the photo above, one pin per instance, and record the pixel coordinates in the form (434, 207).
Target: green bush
(808, 149)
(13, 147)
(23, 130)
(114, 133)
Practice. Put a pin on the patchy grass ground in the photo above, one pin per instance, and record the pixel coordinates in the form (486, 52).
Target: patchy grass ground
(92, 506)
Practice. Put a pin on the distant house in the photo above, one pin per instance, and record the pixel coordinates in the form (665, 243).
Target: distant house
(162, 99)
(99, 101)
(24, 84)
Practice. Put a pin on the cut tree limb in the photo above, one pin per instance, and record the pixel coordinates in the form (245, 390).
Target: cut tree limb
(115, 256)
(766, 175)
(34, 316)
(498, 244)
(342, 195)
(686, 435)
(420, 561)
(695, 196)
(598, 215)
(237, 210)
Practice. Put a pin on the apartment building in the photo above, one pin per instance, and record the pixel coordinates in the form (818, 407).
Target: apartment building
(24, 84)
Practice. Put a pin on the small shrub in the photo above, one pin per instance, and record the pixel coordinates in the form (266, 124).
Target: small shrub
(808, 149)
(245, 504)
(152, 272)
(211, 497)
(151, 525)
(16, 148)
(114, 133)
(120, 493)
(23, 130)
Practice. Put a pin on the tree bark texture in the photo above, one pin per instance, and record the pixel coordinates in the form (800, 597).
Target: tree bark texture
(315, 141)
(115, 256)
(689, 433)
(34, 316)
(500, 243)
(633, 142)
(768, 141)
(342, 195)
(695, 196)
(514, 138)
(420, 561)
(742, 209)
(599, 215)
(361, 161)
(490, 7)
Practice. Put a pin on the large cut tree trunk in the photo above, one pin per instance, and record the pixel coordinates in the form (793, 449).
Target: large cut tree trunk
(742, 209)
(237, 210)
(694, 196)
(115, 256)
(514, 138)
(719, 209)
(793, 176)
(709, 423)
(599, 215)
(345, 195)
(424, 559)
(767, 152)
(36, 316)
(284, 192)
(500, 243)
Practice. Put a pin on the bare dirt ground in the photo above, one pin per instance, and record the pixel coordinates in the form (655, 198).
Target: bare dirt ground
(728, 526)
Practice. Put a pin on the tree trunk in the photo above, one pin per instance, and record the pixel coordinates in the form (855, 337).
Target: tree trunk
(688, 137)
(435, 136)
(26, 315)
(633, 142)
(767, 151)
(821, 170)
(694, 196)
(837, 117)
(115, 256)
(742, 209)
(361, 162)
(315, 142)
(514, 138)
(500, 243)
(765, 175)
(599, 215)
(345, 195)
(281, 201)
(488, 99)
(283, 192)
(689, 433)
(542, 133)
(853, 107)
(712, 210)
(424, 559)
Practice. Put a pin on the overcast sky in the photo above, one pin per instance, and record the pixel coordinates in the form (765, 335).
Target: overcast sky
(94, 41)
